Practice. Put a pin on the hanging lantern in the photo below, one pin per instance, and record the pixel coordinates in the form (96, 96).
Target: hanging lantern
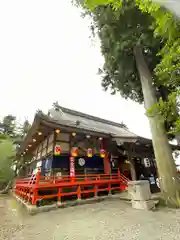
(89, 152)
(74, 152)
(102, 153)
(73, 134)
(57, 150)
(57, 131)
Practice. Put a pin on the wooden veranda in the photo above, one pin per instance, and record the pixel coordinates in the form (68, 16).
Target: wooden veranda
(37, 188)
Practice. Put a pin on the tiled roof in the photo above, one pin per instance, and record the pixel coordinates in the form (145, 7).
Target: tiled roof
(77, 119)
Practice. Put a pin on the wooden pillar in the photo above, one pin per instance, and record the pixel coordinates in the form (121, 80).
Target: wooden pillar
(72, 171)
(72, 167)
(131, 161)
(107, 167)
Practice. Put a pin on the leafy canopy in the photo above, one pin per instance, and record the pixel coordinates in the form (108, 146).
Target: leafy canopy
(7, 125)
(119, 32)
(11, 134)
(7, 154)
(123, 24)
(165, 25)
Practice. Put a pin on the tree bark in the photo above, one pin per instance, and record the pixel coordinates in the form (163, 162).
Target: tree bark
(132, 163)
(170, 185)
(132, 170)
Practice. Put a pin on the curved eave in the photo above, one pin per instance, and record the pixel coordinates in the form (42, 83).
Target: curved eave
(45, 120)
(30, 134)
(42, 120)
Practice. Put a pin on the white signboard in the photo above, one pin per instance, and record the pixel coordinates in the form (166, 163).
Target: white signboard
(157, 182)
(39, 164)
(147, 162)
(81, 162)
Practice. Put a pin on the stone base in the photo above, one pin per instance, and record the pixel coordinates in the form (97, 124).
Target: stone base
(33, 209)
(59, 203)
(143, 205)
(139, 190)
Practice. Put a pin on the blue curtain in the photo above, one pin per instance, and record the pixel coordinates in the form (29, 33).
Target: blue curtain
(61, 161)
(47, 163)
(93, 162)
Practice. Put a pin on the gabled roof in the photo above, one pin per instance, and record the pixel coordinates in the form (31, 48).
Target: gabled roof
(67, 119)
(81, 120)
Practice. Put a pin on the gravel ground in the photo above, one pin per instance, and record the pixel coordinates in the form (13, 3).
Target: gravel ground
(110, 219)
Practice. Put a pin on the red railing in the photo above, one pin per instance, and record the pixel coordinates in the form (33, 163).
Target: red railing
(33, 189)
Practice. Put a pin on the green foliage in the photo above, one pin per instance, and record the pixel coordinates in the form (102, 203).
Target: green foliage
(121, 25)
(24, 128)
(168, 71)
(141, 25)
(164, 25)
(8, 125)
(167, 26)
(7, 154)
(11, 134)
(119, 32)
(3, 136)
(169, 111)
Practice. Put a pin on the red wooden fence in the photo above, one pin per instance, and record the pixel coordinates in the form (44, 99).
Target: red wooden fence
(31, 189)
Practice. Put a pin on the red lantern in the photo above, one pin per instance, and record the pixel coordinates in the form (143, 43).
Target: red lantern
(74, 152)
(102, 153)
(57, 150)
(89, 152)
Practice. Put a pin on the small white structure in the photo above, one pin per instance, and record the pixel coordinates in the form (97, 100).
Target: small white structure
(140, 193)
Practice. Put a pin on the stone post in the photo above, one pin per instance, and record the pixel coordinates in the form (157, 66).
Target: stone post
(140, 193)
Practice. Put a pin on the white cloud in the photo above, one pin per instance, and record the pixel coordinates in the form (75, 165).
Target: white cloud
(46, 55)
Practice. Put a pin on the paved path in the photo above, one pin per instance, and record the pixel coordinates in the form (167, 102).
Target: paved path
(107, 220)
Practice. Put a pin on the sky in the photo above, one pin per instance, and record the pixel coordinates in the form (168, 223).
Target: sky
(47, 55)
(171, 5)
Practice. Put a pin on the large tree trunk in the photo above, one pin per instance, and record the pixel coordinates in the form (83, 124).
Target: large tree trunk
(132, 170)
(170, 185)
(131, 161)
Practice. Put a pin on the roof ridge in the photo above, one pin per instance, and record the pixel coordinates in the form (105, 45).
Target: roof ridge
(91, 117)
